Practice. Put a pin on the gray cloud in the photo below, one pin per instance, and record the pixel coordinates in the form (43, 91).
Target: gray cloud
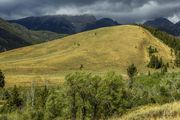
(122, 10)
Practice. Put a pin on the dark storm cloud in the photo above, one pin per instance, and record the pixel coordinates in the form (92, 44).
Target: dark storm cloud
(121, 10)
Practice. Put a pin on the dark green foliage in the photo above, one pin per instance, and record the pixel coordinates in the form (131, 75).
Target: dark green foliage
(55, 106)
(14, 101)
(113, 92)
(2, 79)
(171, 41)
(72, 93)
(11, 36)
(41, 97)
(81, 67)
(3, 117)
(152, 50)
(164, 69)
(37, 115)
(87, 96)
(4, 94)
(155, 62)
(98, 96)
(177, 60)
(131, 71)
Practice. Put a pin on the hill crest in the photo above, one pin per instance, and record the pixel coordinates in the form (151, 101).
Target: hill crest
(100, 50)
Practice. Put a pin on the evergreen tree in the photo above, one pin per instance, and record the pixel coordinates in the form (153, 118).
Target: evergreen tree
(152, 50)
(155, 62)
(164, 69)
(72, 93)
(177, 61)
(81, 67)
(2, 80)
(131, 71)
(15, 100)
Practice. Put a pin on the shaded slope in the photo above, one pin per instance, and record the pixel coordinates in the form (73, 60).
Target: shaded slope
(105, 22)
(165, 25)
(15, 36)
(10, 41)
(63, 24)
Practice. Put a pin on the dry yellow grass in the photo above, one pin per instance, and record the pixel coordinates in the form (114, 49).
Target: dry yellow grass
(101, 50)
(169, 111)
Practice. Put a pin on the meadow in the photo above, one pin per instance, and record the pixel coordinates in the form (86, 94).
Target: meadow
(98, 51)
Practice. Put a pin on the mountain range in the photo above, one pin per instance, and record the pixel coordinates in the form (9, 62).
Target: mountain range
(15, 36)
(165, 25)
(34, 30)
(44, 28)
(65, 24)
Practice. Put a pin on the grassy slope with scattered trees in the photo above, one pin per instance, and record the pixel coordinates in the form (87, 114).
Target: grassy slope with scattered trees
(101, 50)
(171, 41)
(88, 96)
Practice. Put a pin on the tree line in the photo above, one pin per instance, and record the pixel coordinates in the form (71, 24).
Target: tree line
(172, 41)
(86, 96)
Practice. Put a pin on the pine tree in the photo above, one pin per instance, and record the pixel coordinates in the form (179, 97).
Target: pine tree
(177, 61)
(164, 69)
(15, 100)
(131, 71)
(2, 80)
(155, 62)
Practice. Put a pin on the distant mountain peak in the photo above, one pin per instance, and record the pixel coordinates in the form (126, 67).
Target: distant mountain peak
(159, 21)
(65, 24)
(165, 25)
(103, 22)
(13, 36)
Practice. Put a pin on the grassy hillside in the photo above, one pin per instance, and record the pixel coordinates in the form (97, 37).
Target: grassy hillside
(169, 111)
(101, 50)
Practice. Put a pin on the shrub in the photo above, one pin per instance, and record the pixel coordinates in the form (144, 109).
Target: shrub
(155, 62)
(152, 50)
(131, 71)
(2, 79)
(14, 101)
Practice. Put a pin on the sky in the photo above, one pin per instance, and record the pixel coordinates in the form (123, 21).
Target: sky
(123, 11)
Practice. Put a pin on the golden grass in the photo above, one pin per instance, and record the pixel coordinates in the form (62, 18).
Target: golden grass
(101, 50)
(169, 111)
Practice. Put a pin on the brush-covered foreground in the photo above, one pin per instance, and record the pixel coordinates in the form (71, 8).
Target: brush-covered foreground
(101, 50)
(93, 97)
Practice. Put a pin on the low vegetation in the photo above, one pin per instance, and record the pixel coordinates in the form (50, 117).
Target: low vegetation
(89, 96)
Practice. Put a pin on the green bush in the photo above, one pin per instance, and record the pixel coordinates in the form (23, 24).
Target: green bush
(2, 80)
(88, 96)
(155, 62)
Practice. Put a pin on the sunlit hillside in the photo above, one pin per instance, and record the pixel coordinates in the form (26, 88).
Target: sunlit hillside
(101, 50)
(169, 111)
